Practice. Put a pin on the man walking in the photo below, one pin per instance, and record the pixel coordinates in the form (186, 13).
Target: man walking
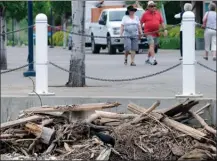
(152, 20)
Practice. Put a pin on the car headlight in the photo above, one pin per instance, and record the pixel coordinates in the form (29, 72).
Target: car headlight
(116, 30)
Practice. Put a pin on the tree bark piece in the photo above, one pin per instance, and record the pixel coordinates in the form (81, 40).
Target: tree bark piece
(203, 123)
(20, 121)
(83, 107)
(45, 134)
(105, 154)
(139, 118)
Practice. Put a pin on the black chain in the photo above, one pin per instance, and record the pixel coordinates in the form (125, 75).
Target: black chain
(10, 32)
(119, 80)
(206, 67)
(14, 69)
(73, 33)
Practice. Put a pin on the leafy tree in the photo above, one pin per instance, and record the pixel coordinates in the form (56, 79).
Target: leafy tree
(41, 7)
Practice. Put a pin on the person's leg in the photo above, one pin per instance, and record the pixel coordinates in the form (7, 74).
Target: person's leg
(207, 39)
(213, 47)
(134, 48)
(127, 44)
(151, 48)
(181, 44)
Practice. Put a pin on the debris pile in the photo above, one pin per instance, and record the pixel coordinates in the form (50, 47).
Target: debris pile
(146, 134)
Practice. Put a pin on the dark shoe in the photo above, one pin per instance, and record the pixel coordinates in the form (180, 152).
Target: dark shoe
(205, 57)
(214, 58)
(125, 62)
(180, 58)
(133, 64)
(154, 63)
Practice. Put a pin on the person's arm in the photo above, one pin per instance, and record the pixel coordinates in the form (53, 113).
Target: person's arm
(178, 15)
(205, 17)
(163, 25)
(122, 26)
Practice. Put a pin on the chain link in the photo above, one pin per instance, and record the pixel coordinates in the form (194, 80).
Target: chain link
(119, 80)
(206, 67)
(10, 32)
(85, 35)
(14, 69)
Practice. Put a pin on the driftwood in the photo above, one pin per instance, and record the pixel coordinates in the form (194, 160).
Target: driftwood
(45, 134)
(205, 147)
(197, 154)
(104, 155)
(140, 118)
(204, 107)
(3, 136)
(20, 121)
(83, 107)
(203, 123)
(111, 115)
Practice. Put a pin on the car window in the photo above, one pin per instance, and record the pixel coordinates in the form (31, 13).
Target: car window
(118, 15)
(104, 16)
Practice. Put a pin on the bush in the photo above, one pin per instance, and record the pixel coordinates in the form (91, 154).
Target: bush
(58, 38)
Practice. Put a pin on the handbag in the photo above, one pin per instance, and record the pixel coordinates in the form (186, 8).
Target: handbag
(205, 21)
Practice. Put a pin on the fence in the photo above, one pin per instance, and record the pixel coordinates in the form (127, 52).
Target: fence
(42, 61)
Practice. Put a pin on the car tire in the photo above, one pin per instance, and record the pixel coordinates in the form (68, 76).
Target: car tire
(94, 48)
(111, 48)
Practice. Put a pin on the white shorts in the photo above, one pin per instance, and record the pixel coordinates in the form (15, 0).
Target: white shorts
(210, 39)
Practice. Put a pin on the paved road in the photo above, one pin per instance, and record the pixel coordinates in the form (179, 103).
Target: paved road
(110, 66)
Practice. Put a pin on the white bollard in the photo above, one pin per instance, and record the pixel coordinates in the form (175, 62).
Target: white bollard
(41, 41)
(188, 62)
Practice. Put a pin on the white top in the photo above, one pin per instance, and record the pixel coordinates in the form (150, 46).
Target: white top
(211, 19)
(130, 25)
(179, 16)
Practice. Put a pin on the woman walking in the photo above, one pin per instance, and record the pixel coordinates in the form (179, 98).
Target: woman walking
(131, 28)
(209, 23)
(187, 7)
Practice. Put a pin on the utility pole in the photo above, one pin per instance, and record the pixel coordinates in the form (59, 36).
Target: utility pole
(31, 71)
(51, 30)
(77, 62)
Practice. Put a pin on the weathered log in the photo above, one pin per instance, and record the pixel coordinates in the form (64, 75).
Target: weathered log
(83, 107)
(205, 147)
(111, 115)
(188, 106)
(45, 134)
(135, 108)
(203, 123)
(20, 121)
(140, 117)
(204, 107)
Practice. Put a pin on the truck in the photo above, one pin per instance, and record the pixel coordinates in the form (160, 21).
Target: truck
(102, 26)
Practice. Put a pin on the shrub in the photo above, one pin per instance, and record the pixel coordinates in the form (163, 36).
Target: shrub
(58, 38)
(169, 42)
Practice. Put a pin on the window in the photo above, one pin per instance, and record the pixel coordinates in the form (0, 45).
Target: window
(103, 16)
(118, 15)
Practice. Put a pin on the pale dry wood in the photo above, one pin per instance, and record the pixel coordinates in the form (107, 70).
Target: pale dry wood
(204, 107)
(45, 134)
(46, 122)
(83, 107)
(3, 136)
(20, 121)
(140, 117)
(203, 123)
(205, 147)
(66, 146)
(105, 154)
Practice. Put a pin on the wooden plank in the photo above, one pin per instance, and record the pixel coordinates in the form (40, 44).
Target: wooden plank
(83, 107)
(20, 121)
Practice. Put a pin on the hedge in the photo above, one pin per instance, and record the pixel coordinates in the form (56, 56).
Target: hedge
(58, 38)
(172, 41)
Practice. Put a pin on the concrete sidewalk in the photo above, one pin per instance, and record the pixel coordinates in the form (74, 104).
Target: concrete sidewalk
(110, 66)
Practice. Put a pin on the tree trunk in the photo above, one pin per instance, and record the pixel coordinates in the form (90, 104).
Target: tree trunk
(2, 40)
(77, 62)
(17, 26)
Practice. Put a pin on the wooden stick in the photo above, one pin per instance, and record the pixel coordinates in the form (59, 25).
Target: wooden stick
(83, 107)
(20, 121)
(203, 123)
(205, 147)
(204, 107)
(12, 135)
(139, 118)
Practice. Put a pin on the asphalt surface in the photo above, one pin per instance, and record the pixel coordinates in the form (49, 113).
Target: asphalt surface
(110, 67)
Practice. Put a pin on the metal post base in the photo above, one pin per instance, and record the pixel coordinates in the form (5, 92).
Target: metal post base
(41, 94)
(30, 73)
(189, 95)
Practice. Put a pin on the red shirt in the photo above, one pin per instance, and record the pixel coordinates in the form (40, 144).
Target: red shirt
(152, 22)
